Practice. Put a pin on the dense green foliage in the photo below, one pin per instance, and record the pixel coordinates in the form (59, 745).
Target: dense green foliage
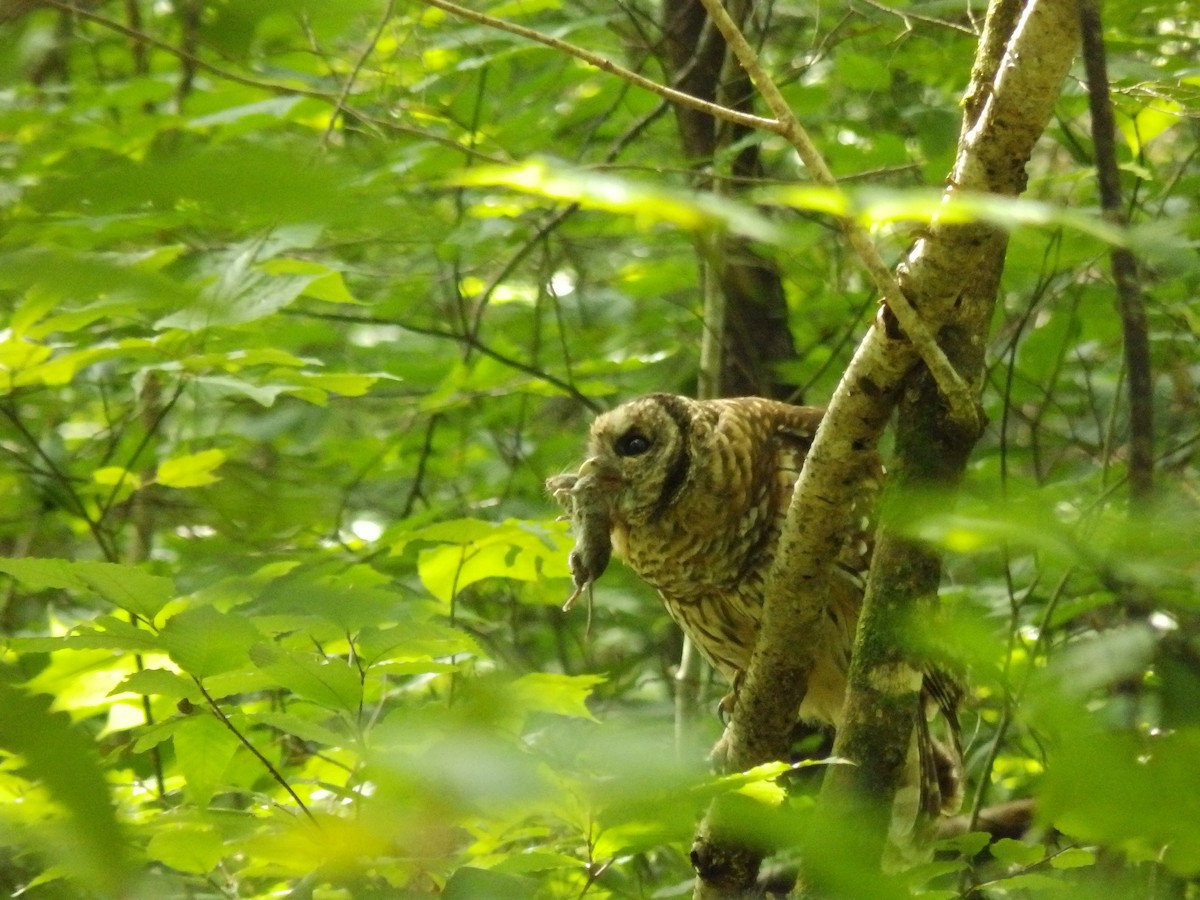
(286, 358)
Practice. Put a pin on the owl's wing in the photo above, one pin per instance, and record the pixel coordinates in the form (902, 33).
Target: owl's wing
(794, 433)
(800, 421)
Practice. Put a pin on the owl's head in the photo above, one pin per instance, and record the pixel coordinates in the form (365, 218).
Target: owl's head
(642, 449)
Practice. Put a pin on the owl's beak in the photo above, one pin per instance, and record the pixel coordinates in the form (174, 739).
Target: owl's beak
(599, 472)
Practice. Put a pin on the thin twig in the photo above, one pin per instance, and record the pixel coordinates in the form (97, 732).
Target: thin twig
(184, 55)
(151, 431)
(414, 492)
(907, 16)
(63, 479)
(271, 87)
(556, 219)
(607, 65)
(475, 344)
(340, 102)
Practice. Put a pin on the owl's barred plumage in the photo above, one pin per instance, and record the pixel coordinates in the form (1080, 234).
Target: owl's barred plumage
(694, 495)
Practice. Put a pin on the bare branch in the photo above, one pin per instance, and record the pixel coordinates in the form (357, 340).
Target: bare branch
(907, 16)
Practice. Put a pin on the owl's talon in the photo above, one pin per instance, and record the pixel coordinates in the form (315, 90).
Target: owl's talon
(729, 701)
(725, 707)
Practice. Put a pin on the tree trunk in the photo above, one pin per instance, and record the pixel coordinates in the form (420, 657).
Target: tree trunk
(754, 332)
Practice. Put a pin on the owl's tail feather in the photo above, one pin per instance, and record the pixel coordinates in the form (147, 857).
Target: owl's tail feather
(933, 784)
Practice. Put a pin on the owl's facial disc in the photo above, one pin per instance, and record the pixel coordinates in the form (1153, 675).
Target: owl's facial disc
(642, 447)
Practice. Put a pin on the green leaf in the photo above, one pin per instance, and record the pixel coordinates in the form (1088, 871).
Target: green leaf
(478, 550)
(327, 284)
(112, 476)
(115, 635)
(554, 693)
(128, 587)
(1017, 853)
(104, 633)
(968, 844)
(535, 861)
(190, 470)
(262, 394)
(239, 298)
(203, 750)
(65, 273)
(150, 736)
(300, 727)
(352, 599)
(647, 203)
(159, 683)
(186, 848)
(881, 206)
(204, 642)
(345, 384)
(1148, 123)
(64, 760)
(1036, 881)
(40, 574)
(332, 683)
(1073, 858)
(272, 107)
(62, 368)
(469, 883)
(415, 642)
(939, 868)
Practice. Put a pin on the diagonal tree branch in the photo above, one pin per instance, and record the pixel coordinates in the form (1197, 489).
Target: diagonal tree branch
(607, 65)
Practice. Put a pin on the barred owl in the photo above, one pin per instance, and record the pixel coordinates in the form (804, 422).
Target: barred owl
(692, 495)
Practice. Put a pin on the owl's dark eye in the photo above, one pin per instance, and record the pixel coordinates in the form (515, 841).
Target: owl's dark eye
(632, 443)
